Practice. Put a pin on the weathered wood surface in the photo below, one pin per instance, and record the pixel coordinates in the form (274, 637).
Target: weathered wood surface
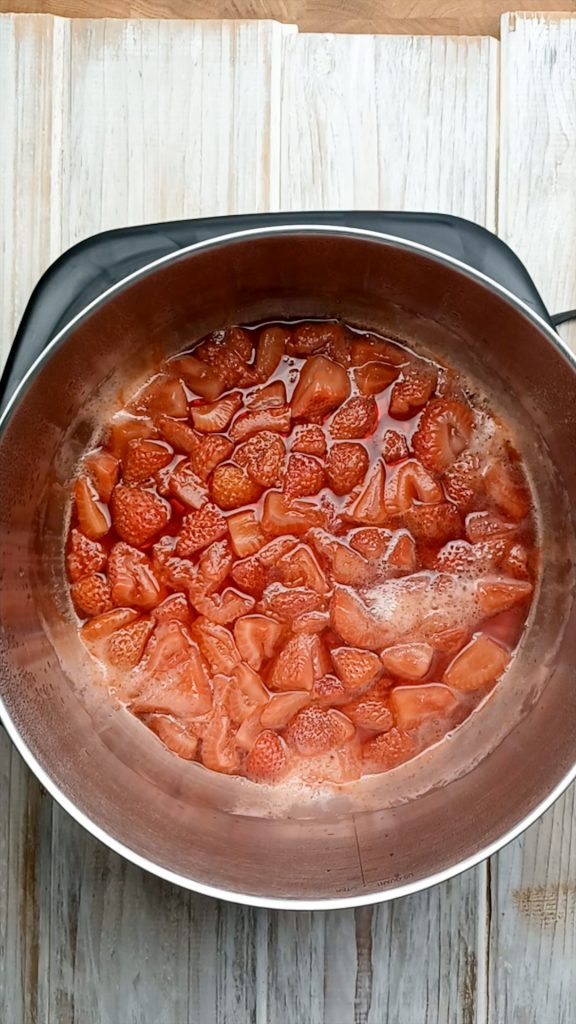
(124, 122)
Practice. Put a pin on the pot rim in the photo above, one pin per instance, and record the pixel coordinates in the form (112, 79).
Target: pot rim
(288, 903)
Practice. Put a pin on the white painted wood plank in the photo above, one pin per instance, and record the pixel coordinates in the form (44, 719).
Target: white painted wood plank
(533, 947)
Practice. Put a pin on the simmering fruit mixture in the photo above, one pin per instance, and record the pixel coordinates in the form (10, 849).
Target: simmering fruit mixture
(302, 551)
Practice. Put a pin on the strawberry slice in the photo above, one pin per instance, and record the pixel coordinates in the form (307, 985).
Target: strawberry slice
(388, 750)
(414, 705)
(186, 486)
(346, 466)
(372, 378)
(394, 447)
(270, 350)
(412, 390)
(179, 434)
(84, 556)
(302, 661)
(267, 760)
(102, 626)
(497, 595)
(276, 420)
(463, 481)
(408, 661)
(245, 533)
(370, 541)
(214, 417)
(444, 431)
(199, 529)
(309, 439)
(370, 506)
(262, 456)
(409, 483)
(357, 669)
(225, 607)
(304, 476)
(125, 427)
(257, 637)
(508, 489)
(300, 568)
(162, 396)
(125, 647)
(355, 418)
(198, 376)
(282, 708)
(322, 386)
(271, 396)
(401, 557)
(369, 713)
(91, 595)
(320, 336)
(316, 730)
(434, 524)
(175, 736)
(132, 580)
(103, 468)
(282, 516)
(246, 693)
(93, 518)
(218, 750)
(217, 645)
(289, 603)
(481, 526)
(479, 665)
(143, 458)
(231, 487)
(138, 515)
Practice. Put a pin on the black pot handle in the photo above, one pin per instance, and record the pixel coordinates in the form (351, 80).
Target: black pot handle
(563, 318)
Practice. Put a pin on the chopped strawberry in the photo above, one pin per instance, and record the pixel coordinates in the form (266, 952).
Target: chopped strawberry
(369, 712)
(311, 622)
(218, 750)
(412, 390)
(302, 661)
(91, 595)
(103, 468)
(458, 556)
(228, 353)
(478, 665)
(270, 554)
(143, 458)
(394, 447)
(316, 730)
(250, 574)
(497, 595)
(225, 607)
(319, 336)
(434, 523)
(174, 608)
(288, 603)
(262, 456)
(162, 396)
(125, 646)
(281, 516)
(330, 690)
(175, 736)
(322, 386)
(309, 439)
(505, 627)
(357, 669)
(388, 750)
(355, 418)
(174, 572)
(401, 557)
(246, 692)
(239, 341)
(213, 449)
(281, 708)
(125, 427)
(249, 730)
(444, 431)
(507, 488)
(231, 487)
(276, 420)
(198, 376)
(463, 481)
(199, 529)
(245, 533)
(271, 396)
(346, 466)
(267, 761)
(352, 620)
(345, 566)
(213, 567)
(84, 556)
(304, 476)
(372, 378)
(131, 577)
(179, 434)
(93, 518)
(409, 483)
(174, 676)
(487, 526)
(270, 350)
(216, 644)
(370, 507)
(448, 640)
(257, 637)
(186, 486)
(408, 661)
(370, 541)
(300, 568)
(366, 348)
(413, 705)
(515, 562)
(214, 417)
(101, 626)
(138, 515)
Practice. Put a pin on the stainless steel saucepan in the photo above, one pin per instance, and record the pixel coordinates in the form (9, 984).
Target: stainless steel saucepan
(383, 836)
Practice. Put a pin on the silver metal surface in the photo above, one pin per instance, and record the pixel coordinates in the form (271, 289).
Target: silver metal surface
(379, 838)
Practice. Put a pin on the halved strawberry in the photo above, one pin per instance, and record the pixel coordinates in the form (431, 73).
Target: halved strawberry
(138, 515)
(369, 712)
(282, 516)
(270, 350)
(125, 427)
(497, 595)
(276, 420)
(225, 607)
(271, 396)
(300, 568)
(319, 336)
(322, 386)
(434, 524)
(412, 390)
(413, 705)
(101, 626)
(374, 377)
(463, 481)
(370, 507)
(394, 447)
(186, 486)
(245, 533)
(345, 566)
(231, 487)
(262, 456)
(174, 608)
(179, 434)
(302, 661)
(357, 669)
(409, 483)
(346, 466)
(214, 417)
(366, 348)
(91, 595)
(290, 602)
(175, 736)
(388, 750)
(246, 692)
(257, 637)
(217, 645)
(267, 761)
(370, 541)
(281, 708)
(507, 488)
(444, 432)
(84, 556)
(199, 529)
(304, 476)
(103, 468)
(93, 518)
(357, 417)
(478, 665)
(162, 396)
(199, 377)
(309, 439)
(401, 558)
(125, 647)
(408, 661)
(131, 577)
(315, 730)
(143, 458)
(218, 750)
